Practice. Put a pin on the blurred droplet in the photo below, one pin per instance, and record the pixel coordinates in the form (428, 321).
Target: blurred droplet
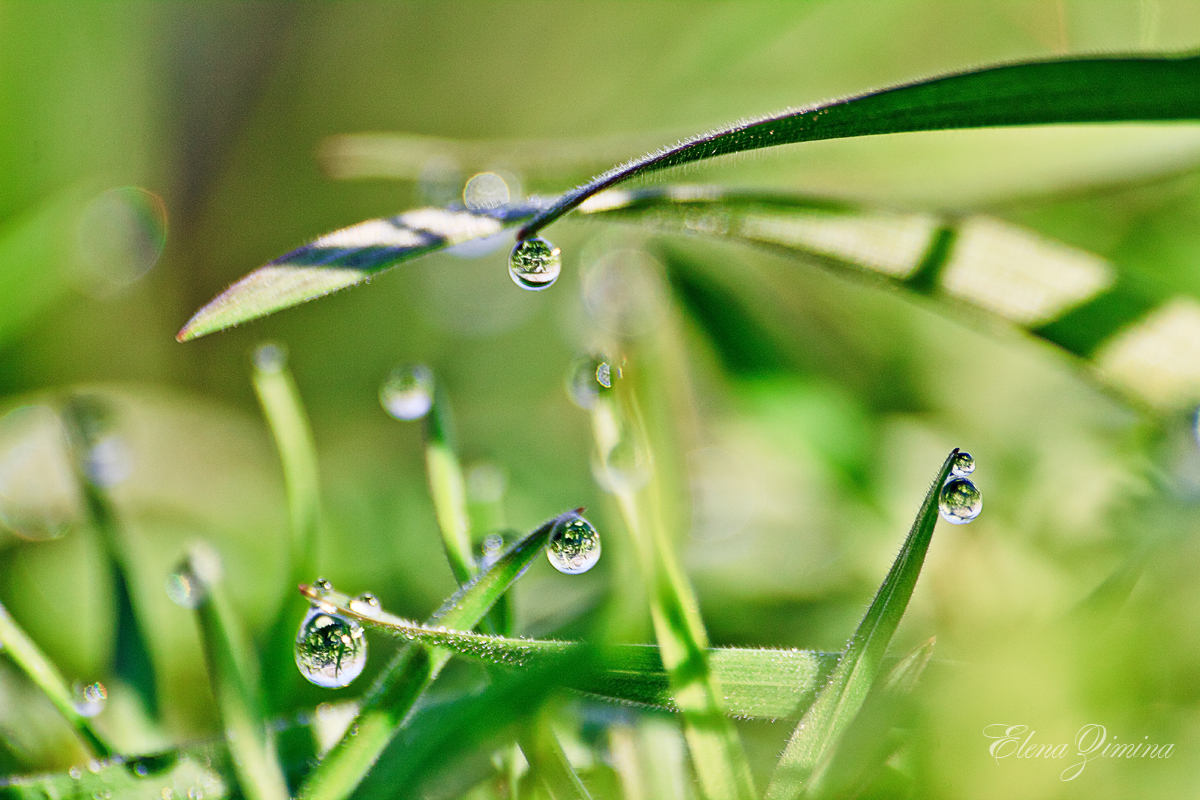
(440, 182)
(486, 191)
(366, 604)
(490, 550)
(188, 585)
(625, 467)
(963, 465)
(960, 502)
(322, 586)
(534, 264)
(331, 650)
(574, 547)
(39, 496)
(486, 483)
(589, 375)
(121, 235)
(270, 357)
(108, 462)
(407, 393)
(622, 291)
(90, 698)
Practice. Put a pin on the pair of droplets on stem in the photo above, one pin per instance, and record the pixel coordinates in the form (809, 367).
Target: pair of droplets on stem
(331, 649)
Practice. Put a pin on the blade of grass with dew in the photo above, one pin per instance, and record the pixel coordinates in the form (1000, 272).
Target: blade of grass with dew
(1064, 90)
(30, 659)
(87, 419)
(234, 676)
(799, 770)
(716, 751)
(284, 411)
(390, 700)
(345, 257)
(199, 770)
(757, 683)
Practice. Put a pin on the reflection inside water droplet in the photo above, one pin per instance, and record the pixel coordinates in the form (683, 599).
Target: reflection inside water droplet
(331, 650)
(960, 502)
(366, 604)
(407, 393)
(574, 547)
(270, 357)
(962, 466)
(534, 264)
(90, 698)
(589, 376)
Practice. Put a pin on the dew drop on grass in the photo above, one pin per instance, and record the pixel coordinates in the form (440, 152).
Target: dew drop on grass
(331, 650)
(187, 585)
(962, 466)
(408, 392)
(270, 357)
(534, 264)
(322, 586)
(490, 550)
(960, 502)
(589, 376)
(574, 547)
(366, 604)
(90, 698)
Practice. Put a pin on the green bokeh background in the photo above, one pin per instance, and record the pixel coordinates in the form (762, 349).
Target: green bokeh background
(803, 475)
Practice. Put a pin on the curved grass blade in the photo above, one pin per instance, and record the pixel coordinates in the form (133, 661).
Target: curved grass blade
(801, 767)
(234, 676)
(346, 257)
(1067, 90)
(285, 415)
(447, 487)
(390, 700)
(30, 659)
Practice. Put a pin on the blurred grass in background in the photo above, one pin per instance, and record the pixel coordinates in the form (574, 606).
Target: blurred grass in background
(805, 459)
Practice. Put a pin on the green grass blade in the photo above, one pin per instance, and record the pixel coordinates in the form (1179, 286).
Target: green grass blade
(839, 702)
(285, 415)
(716, 751)
(390, 701)
(346, 257)
(30, 659)
(1066, 90)
(757, 682)
(549, 763)
(234, 676)
(447, 487)
(87, 419)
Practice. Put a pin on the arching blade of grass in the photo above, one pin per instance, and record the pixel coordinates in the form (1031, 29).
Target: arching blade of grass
(801, 767)
(626, 462)
(285, 415)
(1063, 90)
(234, 676)
(346, 257)
(758, 683)
(89, 425)
(389, 702)
(447, 487)
(30, 659)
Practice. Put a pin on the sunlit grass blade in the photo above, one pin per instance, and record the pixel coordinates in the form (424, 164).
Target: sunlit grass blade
(799, 771)
(285, 415)
(234, 676)
(390, 700)
(346, 257)
(625, 458)
(1065, 90)
(30, 659)
(88, 421)
(757, 683)
(549, 762)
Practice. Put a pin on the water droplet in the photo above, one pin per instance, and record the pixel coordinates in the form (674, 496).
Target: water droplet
(331, 650)
(490, 550)
(121, 235)
(534, 264)
(625, 467)
(90, 698)
(589, 376)
(485, 191)
(574, 547)
(187, 585)
(270, 357)
(39, 495)
(366, 604)
(960, 502)
(322, 586)
(107, 462)
(408, 392)
(962, 466)
(75, 772)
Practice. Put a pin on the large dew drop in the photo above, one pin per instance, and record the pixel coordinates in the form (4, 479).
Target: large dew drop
(534, 264)
(331, 650)
(575, 547)
(962, 466)
(960, 502)
(408, 392)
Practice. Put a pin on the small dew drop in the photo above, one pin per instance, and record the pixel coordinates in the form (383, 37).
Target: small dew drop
(960, 502)
(486, 191)
(90, 698)
(108, 462)
(589, 376)
(187, 585)
(184, 590)
(270, 357)
(574, 547)
(407, 393)
(534, 264)
(366, 604)
(322, 586)
(75, 772)
(492, 548)
(962, 466)
(331, 650)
